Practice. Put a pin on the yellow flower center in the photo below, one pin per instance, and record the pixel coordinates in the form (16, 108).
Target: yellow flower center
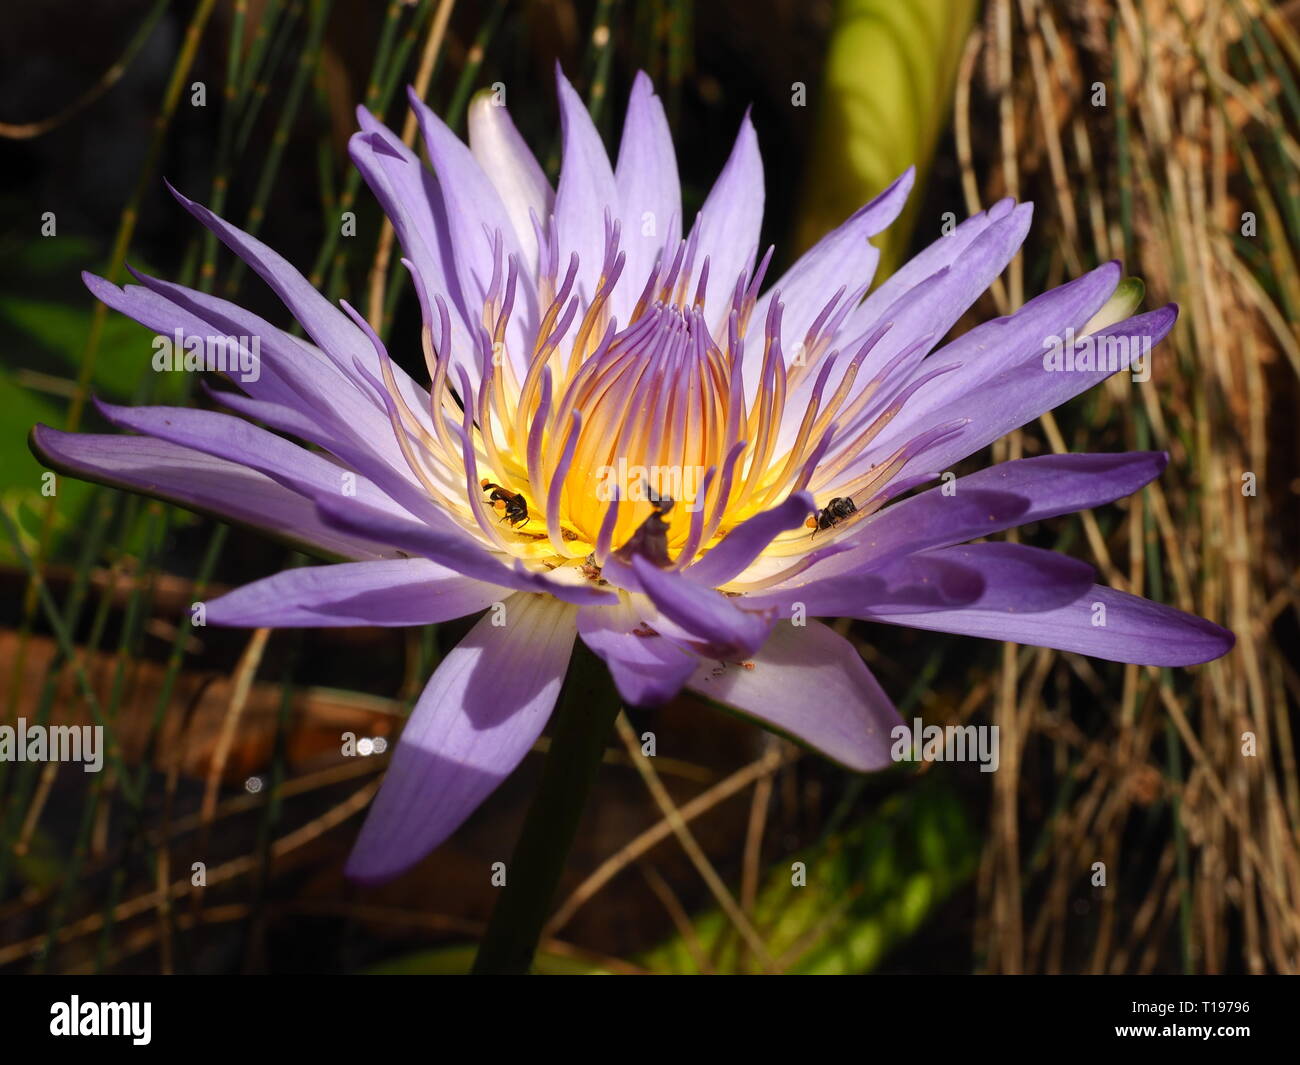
(610, 421)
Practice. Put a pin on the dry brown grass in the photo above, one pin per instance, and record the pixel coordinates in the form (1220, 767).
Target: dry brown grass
(1159, 177)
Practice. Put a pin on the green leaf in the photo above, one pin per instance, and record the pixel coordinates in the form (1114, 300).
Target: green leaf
(457, 960)
(866, 890)
(884, 101)
(43, 341)
(22, 478)
(58, 333)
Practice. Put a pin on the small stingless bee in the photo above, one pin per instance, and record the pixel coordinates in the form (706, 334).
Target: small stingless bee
(662, 504)
(512, 506)
(832, 514)
(651, 538)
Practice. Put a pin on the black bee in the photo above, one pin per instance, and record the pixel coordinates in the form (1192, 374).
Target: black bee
(651, 538)
(832, 514)
(662, 504)
(512, 506)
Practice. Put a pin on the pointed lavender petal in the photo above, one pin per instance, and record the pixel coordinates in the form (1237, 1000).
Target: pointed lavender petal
(475, 216)
(916, 524)
(1103, 623)
(162, 308)
(480, 713)
(843, 257)
(746, 541)
(984, 576)
(809, 683)
(328, 326)
(1018, 492)
(649, 192)
(227, 437)
(647, 668)
(586, 190)
(1002, 342)
(403, 591)
(191, 479)
(1010, 398)
(948, 249)
(917, 582)
(310, 397)
(708, 616)
(301, 390)
(728, 224)
(930, 308)
(513, 169)
(1017, 577)
(412, 200)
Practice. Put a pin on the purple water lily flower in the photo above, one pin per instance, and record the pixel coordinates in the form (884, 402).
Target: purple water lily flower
(580, 352)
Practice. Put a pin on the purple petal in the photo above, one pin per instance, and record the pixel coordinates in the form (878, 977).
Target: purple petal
(480, 713)
(1020, 578)
(475, 214)
(725, 630)
(648, 669)
(411, 198)
(312, 399)
(403, 591)
(513, 169)
(1006, 341)
(914, 582)
(1064, 484)
(985, 576)
(746, 541)
(1131, 629)
(191, 479)
(396, 483)
(843, 257)
(585, 192)
(328, 326)
(943, 252)
(649, 192)
(294, 421)
(223, 436)
(161, 308)
(729, 222)
(921, 317)
(299, 390)
(917, 524)
(810, 683)
(1045, 486)
(1010, 398)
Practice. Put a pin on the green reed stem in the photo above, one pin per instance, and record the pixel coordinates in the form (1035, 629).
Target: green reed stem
(473, 63)
(280, 138)
(588, 706)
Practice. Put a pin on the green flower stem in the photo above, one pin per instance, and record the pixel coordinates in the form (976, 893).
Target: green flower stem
(587, 708)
